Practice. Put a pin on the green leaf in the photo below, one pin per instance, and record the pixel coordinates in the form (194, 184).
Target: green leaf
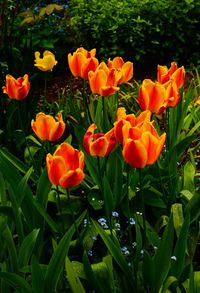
(16, 281)
(46, 216)
(108, 196)
(73, 278)
(27, 247)
(91, 165)
(162, 257)
(193, 207)
(90, 275)
(116, 253)
(8, 157)
(189, 173)
(57, 261)
(180, 249)
(178, 219)
(37, 276)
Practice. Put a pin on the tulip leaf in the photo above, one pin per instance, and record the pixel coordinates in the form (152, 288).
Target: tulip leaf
(57, 260)
(15, 280)
(116, 253)
(37, 276)
(189, 173)
(177, 212)
(162, 257)
(180, 249)
(193, 207)
(91, 276)
(73, 278)
(27, 247)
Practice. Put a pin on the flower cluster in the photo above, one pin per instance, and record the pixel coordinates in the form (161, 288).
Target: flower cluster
(140, 141)
(103, 78)
(163, 93)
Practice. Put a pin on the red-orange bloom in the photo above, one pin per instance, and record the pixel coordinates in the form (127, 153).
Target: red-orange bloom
(177, 74)
(82, 61)
(47, 128)
(172, 93)
(99, 144)
(152, 96)
(131, 120)
(142, 146)
(126, 68)
(103, 80)
(17, 89)
(65, 166)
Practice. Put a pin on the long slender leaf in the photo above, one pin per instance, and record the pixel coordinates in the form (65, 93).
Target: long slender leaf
(56, 263)
(16, 281)
(73, 278)
(27, 247)
(162, 257)
(116, 253)
(37, 276)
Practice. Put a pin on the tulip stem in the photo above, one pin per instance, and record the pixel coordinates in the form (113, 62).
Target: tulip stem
(60, 208)
(72, 213)
(85, 102)
(128, 210)
(143, 209)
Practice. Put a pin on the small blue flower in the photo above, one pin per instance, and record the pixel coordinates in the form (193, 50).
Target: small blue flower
(115, 214)
(90, 253)
(132, 221)
(125, 250)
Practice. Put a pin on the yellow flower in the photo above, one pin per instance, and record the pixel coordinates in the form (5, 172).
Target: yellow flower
(47, 62)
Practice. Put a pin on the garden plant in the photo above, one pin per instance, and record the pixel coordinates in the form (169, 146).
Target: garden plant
(99, 186)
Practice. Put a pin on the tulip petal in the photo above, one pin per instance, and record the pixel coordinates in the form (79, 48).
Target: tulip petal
(135, 153)
(72, 178)
(56, 167)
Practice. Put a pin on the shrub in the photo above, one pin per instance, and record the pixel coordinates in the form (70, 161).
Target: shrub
(147, 31)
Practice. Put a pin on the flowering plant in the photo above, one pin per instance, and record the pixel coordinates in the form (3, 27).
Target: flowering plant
(103, 198)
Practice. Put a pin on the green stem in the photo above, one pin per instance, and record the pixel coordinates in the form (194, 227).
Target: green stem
(45, 86)
(143, 209)
(59, 205)
(85, 102)
(73, 217)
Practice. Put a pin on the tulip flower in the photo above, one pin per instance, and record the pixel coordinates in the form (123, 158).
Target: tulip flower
(82, 61)
(142, 146)
(126, 68)
(104, 80)
(130, 119)
(172, 93)
(152, 96)
(65, 166)
(47, 62)
(99, 144)
(17, 89)
(47, 128)
(177, 74)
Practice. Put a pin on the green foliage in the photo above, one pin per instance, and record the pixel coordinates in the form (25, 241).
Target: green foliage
(143, 31)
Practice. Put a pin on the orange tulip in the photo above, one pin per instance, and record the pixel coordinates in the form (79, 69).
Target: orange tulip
(126, 68)
(47, 62)
(99, 144)
(172, 93)
(177, 74)
(104, 80)
(152, 96)
(47, 128)
(142, 146)
(16, 89)
(65, 166)
(82, 61)
(130, 120)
